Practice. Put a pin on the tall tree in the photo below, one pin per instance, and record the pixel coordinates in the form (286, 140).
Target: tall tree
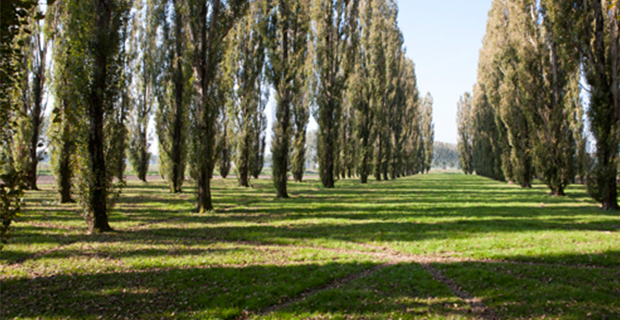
(209, 23)
(13, 20)
(93, 29)
(62, 131)
(285, 30)
(301, 115)
(601, 57)
(411, 120)
(464, 124)
(245, 67)
(259, 133)
(143, 43)
(428, 131)
(398, 101)
(361, 89)
(348, 143)
(543, 77)
(33, 85)
(487, 143)
(334, 50)
(173, 96)
(124, 104)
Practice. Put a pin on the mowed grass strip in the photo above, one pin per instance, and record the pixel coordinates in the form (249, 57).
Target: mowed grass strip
(254, 252)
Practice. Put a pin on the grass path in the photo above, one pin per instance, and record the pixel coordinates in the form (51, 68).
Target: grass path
(439, 246)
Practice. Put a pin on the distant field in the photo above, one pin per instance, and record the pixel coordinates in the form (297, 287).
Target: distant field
(437, 246)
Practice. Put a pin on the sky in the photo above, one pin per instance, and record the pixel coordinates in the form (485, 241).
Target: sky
(443, 39)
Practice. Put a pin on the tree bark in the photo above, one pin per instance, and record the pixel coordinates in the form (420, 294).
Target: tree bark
(65, 170)
(178, 174)
(97, 201)
(605, 117)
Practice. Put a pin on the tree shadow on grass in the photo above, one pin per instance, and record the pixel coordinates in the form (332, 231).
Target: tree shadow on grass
(403, 290)
(534, 291)
(216, 292)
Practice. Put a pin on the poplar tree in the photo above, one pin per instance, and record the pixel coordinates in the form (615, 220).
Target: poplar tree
(490, 77)
(334, 49)
(32, 86)
(301, 115)
(601, 59)
(348, 143)
(285, 32)
(544, 71)
(398, 101)
(379, 68)
(13, 20)
(486, 144)
(428, 132)
(259, 133)
(123, 107)
(208, 25)
(143, 40)
(465, 139)
(93, 34)
(361, 89)
(411, 120)
(173, 93)
(62, 131)
(245, 66)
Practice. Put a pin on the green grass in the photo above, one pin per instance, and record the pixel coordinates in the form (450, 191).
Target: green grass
(352, 252)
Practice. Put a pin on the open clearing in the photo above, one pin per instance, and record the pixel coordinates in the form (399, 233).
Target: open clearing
(439, 246)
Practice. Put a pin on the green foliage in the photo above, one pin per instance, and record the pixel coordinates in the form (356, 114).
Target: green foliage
(446, 155)
(259, 135)
(173, 90)
(12, 186)
(209, 22)
(486, 144)
(285, 31)
(334, 50)
(245, 63)
(529, 73)
(465, 123)
(92, 32)
(428, 132)
(15, 16)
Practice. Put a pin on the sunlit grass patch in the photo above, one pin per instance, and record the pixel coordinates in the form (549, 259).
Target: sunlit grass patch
(255, 253)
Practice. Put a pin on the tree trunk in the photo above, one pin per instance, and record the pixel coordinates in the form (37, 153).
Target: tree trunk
(281, 146)
(178, 174)
(65, 171)
(243, 169)
(204, 191)
(328, 137)
(34, 142)
(378, 159)
(97, 201)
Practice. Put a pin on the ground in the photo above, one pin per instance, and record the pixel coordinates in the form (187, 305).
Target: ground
(439, 246)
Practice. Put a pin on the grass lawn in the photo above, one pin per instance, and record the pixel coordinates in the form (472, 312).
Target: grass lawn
(438, 246)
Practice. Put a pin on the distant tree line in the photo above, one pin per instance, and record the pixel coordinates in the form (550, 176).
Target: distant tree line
(203, 70)
(526, 117)
(445, 156)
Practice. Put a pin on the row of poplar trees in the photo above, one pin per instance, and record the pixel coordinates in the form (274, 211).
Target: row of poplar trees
(526, 117)
(205, 69)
